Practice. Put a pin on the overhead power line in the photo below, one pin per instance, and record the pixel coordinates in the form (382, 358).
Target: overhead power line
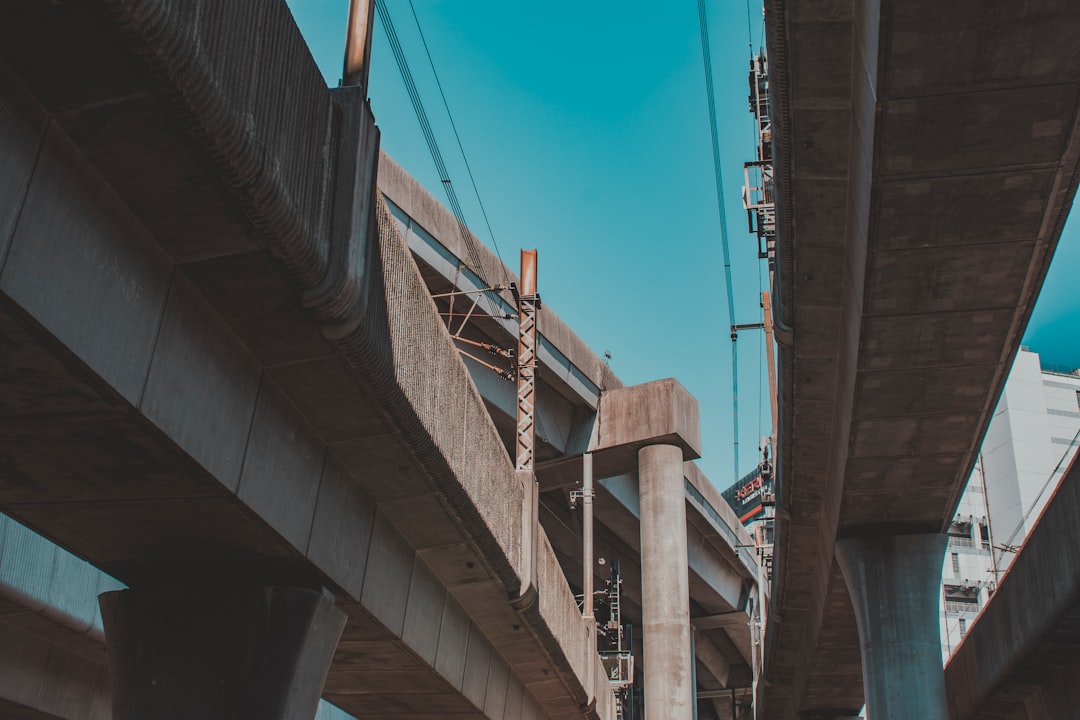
(429, 135)
(706, 54)
(1058, 470)
(461, 148)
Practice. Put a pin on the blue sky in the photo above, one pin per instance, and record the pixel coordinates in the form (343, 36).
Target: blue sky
(586, 127)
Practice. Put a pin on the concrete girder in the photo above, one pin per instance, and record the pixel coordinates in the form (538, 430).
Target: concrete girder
(258, 464)
(715, 584)
(434, 236)
(1021, 658)
(715, 663)
(44, 680)
(567, 398)
(39, 611)
(917, 210)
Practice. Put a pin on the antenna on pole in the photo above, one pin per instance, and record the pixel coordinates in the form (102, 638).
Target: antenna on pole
(528, 301)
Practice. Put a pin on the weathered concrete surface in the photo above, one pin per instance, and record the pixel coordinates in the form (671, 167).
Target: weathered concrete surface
(926, 160)
(52, 657)
(661, 411)
(217, 651)
(569, 364)
(237, 381)
(570, 375)
(45, 680)
(1021, 657)
(895, 582)
(666, 592)
(720, 576)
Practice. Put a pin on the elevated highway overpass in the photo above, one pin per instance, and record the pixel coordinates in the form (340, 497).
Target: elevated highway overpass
(572, 418)
(235, 390)
(226, 385)
(926, 159)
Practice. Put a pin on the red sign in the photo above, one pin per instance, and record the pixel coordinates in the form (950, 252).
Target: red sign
(746, 490)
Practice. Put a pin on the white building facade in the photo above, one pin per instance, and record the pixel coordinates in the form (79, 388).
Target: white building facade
(1032, 438)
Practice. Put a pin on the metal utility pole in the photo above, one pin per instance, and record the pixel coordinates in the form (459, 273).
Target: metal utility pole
(528, 304)
(358, 43)
(766, 309)
(585, 494)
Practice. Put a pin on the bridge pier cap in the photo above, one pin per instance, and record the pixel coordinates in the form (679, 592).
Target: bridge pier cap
(895, 587)
(661, 412)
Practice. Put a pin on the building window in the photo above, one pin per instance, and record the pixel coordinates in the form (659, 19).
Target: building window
(963, 627)
(956, 564)
(1078, 399)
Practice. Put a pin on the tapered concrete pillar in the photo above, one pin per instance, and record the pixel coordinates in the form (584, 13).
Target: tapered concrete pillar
(895, 586)
(665, 585)
(219, 654)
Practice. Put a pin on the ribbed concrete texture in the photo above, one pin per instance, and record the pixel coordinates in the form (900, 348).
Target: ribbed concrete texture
(895, 585)
(219, 653)
(665, 584)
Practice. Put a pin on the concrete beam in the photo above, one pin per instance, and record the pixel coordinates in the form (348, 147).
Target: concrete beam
(43, 679)
(716, 584)
(253, 457)
(1022, 652)
(658, 412)
(710, 658)
(432, 233)
(723, 620)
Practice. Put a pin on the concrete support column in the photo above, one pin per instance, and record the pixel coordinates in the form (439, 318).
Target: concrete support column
(212, 653)
(665, 585)
(895, 586)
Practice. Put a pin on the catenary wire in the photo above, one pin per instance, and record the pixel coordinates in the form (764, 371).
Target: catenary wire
(461, 148)
(429, 136)
(706, 55)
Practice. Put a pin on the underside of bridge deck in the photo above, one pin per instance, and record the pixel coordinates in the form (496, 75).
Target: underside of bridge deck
(222, 366)
(927, 157)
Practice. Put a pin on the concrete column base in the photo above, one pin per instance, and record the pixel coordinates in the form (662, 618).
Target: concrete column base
(895, 586)
(179, 653)
(669, 691)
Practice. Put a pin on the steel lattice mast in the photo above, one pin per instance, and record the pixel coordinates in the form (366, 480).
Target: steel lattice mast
(528, 304)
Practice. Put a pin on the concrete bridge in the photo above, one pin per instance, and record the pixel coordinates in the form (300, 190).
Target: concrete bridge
(226, 385)
(576, 415)
(926, 159)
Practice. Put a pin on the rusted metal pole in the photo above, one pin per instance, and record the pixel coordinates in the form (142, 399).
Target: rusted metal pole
(766, 308)
(358, 43)
(528, 301)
